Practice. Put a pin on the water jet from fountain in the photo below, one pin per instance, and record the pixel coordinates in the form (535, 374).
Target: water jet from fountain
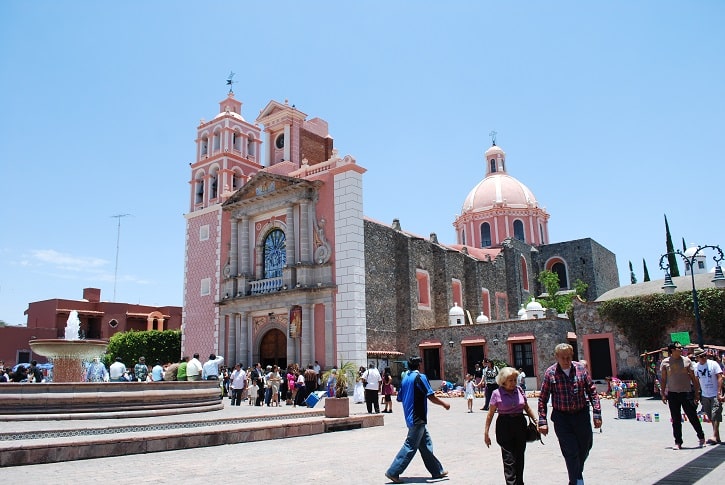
(68, 355)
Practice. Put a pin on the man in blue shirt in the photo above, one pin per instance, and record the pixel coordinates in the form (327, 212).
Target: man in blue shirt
(415, 392)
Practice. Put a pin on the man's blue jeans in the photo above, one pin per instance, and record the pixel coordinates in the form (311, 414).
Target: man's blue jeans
(418, 439)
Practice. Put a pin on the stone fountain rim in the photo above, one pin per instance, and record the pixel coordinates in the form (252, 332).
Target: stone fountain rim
(55, 348)
(72, 342)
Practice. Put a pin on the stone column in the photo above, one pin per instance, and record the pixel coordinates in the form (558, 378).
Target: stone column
(244, 247)
(266, 147)
(305, 243)
(307, 356)
(290, 236)
(230, 356)
(330, 355)
(287, 142)
(246, 323)
(259, 267)
(221, 347)
(240, 339)
(234, 247)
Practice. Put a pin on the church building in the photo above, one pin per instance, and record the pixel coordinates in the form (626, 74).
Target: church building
(283, 266)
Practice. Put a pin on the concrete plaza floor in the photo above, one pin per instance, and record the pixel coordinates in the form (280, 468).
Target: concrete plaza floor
(626, 451)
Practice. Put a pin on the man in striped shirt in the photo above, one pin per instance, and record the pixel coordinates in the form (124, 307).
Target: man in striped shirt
(571, 391)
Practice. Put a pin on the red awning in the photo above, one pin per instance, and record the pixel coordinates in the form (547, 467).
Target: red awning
(473, 341)
(430, 343)
(392, 353)
(80, 312)
(142, 315)
(518, 337)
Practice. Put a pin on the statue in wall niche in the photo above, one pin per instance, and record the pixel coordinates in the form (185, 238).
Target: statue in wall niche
(322, 247)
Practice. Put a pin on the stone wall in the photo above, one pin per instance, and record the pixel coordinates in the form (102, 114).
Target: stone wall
(586, 260)
(547, 334)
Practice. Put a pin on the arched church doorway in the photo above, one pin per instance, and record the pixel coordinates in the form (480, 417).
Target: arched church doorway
(273, 349)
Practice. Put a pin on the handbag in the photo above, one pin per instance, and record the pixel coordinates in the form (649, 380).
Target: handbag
(532, 432)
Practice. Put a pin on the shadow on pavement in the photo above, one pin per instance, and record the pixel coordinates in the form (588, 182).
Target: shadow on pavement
(696, 469)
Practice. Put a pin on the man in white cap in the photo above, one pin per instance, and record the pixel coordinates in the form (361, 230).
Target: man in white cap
(712, 396)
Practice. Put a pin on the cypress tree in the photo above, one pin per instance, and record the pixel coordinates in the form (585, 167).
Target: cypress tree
(632, 277)
(646, 273)
(684, 247)
(671, 256)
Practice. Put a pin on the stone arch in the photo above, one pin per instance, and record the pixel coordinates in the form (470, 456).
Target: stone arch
(558, 265)
(272, 345)
(155, 317)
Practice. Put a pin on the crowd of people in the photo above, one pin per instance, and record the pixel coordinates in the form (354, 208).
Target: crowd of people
(271, 385)
(22, 373)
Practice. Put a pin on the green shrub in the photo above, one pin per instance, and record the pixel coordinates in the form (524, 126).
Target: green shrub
(155, 345)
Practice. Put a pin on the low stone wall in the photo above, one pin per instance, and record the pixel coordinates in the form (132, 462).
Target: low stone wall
(91, 400)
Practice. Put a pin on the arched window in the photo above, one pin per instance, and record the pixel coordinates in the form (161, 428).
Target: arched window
(463, 237)
(541, 231)
(493, 165)
(204, 146)
(486, 302)
(519, 230)
(275, 254)
(237, 141)
(237, 180)
(199, 188)
(217, 142)
(524, 274)
(213, 184)
(560, 269)
(485, 235)
(423, 279)
(250, 145)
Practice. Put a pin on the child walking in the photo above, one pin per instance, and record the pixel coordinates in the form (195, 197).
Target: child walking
(253, 389)
(469, 392)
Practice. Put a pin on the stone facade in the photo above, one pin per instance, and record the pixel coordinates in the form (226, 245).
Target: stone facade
(398, 323)
(587, 260)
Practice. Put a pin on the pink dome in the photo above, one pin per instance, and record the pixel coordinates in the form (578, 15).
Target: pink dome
(500, 207)
(498, 190)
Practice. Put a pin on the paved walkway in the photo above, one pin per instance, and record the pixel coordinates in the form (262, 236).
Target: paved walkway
(626, 451)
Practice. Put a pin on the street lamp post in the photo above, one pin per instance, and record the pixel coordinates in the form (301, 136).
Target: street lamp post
(669, 286)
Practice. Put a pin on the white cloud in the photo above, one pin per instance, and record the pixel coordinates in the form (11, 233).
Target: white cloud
(65, 262)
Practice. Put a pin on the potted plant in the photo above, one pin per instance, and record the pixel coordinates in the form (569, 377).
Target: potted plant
(339, 406)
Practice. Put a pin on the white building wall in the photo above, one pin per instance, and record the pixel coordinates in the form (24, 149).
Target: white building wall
(350, 268)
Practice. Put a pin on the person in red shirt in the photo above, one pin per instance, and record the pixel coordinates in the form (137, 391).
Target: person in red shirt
(572, 391)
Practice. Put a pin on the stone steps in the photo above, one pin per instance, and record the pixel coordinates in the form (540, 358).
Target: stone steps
(67, 441)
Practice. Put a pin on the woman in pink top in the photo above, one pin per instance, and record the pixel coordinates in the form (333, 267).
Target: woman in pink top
(510, 401)
(290, 385)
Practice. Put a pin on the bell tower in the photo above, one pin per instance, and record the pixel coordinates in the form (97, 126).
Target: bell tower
(227, 155)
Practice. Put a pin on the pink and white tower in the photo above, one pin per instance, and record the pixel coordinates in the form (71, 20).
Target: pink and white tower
(275, 268)
(227, 155)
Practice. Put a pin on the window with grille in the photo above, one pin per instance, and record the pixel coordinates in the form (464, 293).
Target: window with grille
(275, 254)
(524, 358)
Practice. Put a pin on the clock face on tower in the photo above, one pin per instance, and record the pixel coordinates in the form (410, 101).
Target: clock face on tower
(279, 142)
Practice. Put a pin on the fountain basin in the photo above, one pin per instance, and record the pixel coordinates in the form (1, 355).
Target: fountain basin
(68, 356)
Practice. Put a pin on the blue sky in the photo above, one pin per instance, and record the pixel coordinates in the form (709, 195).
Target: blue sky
(610, 112)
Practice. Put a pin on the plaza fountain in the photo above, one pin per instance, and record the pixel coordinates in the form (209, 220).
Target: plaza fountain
(69, 397)
(67, 355)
